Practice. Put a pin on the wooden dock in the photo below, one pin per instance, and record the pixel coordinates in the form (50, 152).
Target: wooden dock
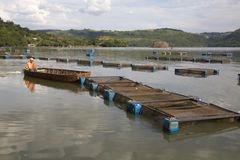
(84, 62)
(196, 72)
(191, 59)
(160, 104)
(116, 65)
(148, 67)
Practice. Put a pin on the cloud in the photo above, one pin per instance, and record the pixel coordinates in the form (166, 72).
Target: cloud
(37, 14)
(25, 10)
(96, 7)
(187, 15)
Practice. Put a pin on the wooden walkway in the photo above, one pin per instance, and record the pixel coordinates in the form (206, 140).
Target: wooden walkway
(158, 103)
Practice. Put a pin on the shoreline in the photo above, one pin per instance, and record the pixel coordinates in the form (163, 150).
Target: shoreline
(226, 49)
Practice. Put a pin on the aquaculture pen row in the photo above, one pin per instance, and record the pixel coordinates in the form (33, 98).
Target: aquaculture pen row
(140, 67)
(171, 109)
(198, 72)
(197, 60)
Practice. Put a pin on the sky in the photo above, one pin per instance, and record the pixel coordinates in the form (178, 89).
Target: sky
(187, 15)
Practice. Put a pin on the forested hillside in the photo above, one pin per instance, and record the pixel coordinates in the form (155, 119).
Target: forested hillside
(14, 35)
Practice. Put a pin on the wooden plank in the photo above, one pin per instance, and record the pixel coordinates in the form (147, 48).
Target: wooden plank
(157, 101)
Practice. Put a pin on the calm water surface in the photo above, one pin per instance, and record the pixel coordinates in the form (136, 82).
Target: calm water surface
(46, 120)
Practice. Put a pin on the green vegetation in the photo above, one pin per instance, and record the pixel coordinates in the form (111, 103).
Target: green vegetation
(14, 35)
(228, 39)
(141, 38)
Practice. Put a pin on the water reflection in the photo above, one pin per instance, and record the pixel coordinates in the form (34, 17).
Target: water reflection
(61, 124)
(191, 75)
(30, 83)
(200, 129)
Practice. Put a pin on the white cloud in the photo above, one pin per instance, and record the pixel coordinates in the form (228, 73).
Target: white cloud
(96, 7)
(25, 10)
(187, 15)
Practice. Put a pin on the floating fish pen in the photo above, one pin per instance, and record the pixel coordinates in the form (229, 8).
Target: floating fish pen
(72, 60)
(6, 56)
(43, 58)
(211, 60)
(171, 109)
(62, 60)
(89, 62)
(184, 58)
(116, 65)
(208, 54)
(53, 59)
(152, 58)
(223, 61)
(201, 72)
(148, 67)
(18, 57)
(66, 60)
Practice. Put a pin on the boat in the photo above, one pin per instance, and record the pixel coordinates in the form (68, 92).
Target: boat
(63, 75)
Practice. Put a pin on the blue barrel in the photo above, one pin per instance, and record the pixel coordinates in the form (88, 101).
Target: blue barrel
(205, 73)
(216, 71)
(177, 71)
(82, 81)
(165, 67)
(171, 125)
(154, 68)
(93, 86)
(194, 59)
(134, 107)
(90, 53)
(90, 63)
(109, 94)
(154, 52)
(6, 56)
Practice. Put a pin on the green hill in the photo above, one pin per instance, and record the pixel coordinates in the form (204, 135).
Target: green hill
(227, 39)
(150, 38)
(14, 35)
(141, 38)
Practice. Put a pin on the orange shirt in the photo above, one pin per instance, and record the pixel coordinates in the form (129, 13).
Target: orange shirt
(30, 66)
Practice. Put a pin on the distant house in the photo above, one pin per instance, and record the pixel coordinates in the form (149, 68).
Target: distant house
(35, 39)
(31, 45)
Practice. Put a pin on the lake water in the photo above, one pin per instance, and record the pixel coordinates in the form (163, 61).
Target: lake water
(43, 120)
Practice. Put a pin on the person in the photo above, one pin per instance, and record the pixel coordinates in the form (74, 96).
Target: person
(30, 65)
